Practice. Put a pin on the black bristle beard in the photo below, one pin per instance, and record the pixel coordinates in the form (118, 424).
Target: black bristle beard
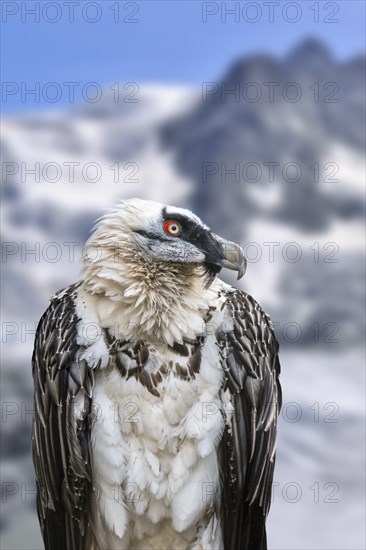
(209, 273)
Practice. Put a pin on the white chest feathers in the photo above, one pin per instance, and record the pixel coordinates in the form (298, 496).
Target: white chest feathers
(158, 419)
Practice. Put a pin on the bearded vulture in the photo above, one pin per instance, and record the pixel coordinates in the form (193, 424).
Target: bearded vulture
(156, 393)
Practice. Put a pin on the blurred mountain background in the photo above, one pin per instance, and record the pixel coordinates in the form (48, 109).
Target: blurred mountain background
(178, 145)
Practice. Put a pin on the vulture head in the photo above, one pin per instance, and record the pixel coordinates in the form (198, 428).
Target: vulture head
(153, 233)
(154, 266)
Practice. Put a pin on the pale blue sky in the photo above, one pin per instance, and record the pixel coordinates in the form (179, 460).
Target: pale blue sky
(170, 43)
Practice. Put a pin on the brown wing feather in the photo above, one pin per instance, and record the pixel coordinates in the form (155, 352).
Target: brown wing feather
(60, 442)
(247, 450)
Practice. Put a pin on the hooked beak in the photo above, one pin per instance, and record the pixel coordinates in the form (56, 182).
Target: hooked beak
(227, 254)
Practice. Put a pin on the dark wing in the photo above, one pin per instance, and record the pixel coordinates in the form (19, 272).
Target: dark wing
(60, 443)
(247, 450)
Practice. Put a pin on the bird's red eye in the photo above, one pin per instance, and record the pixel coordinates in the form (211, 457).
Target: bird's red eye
(172, 228)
